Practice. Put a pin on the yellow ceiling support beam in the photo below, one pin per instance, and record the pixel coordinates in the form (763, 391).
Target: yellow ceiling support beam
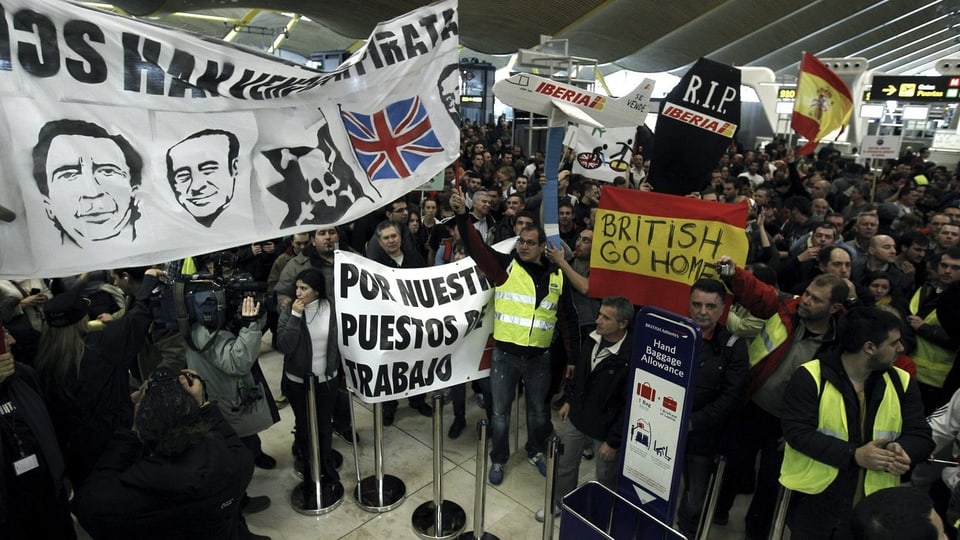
(244, 21)
(356, 45)
(286, 32)
(106, 7)
(202, 17)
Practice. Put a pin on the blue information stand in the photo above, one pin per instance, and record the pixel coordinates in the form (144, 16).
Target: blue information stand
(666, 351)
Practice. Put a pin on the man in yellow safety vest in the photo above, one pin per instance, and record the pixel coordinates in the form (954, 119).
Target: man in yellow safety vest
(853, 424)
(532, 301)
(935, 350)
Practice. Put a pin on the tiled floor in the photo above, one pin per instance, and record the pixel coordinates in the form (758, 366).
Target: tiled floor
(408, 455)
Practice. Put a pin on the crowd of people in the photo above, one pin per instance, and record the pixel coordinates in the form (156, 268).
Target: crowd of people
(117, 410)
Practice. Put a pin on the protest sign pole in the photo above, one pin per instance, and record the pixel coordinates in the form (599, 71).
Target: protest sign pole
(480, 487)
(312, 497)
(551, 167)
(438, 519)
(380, 492)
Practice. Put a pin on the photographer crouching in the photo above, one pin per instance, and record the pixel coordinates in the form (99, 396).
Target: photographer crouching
(227, 362)
(178, 474)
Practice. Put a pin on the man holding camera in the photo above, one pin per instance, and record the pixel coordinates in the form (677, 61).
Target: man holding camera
(178, 473)
(796, 329)
(228, 365)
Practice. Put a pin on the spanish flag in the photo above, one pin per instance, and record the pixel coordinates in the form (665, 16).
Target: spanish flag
(823, 102)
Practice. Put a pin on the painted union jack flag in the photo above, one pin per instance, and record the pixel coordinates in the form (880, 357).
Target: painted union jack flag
(391, 143)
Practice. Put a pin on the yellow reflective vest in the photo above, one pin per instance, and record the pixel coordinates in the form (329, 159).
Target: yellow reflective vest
(802, 473)
(518, 319)
(933, 361)
(771, 336)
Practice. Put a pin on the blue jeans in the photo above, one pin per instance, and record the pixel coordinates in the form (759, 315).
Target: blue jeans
(506, 371)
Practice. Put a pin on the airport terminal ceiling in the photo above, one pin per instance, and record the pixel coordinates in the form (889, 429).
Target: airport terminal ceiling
(896, 36)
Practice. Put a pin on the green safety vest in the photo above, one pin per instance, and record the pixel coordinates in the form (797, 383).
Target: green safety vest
(802, 473)
(933, 361)
(517, 317)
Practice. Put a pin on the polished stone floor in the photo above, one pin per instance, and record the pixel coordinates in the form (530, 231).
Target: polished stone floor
(408, 451)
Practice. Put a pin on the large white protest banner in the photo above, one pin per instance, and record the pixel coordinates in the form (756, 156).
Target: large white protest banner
(411, 330)
(127, 143)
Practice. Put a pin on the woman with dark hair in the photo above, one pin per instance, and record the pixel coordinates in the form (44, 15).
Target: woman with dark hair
(307, 337)
(885, 292)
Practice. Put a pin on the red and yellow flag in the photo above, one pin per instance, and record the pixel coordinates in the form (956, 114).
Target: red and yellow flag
(823, 102)
(650, 247)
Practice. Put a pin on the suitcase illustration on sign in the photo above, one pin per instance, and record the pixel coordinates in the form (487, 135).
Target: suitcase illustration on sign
(670, 404)
(645, 391)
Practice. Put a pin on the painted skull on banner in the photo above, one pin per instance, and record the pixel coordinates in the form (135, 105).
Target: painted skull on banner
(318, 185)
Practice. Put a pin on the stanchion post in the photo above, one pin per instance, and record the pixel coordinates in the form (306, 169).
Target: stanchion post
(380, 492)
(706, 514)
(780, 518)
(553, 449)
(356, 439)
(480, 487)
(323, 500)
(516, 420)
(438, 519)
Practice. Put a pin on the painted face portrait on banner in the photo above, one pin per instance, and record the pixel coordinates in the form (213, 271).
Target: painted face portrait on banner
(88, 180)
(202, 171)
(449, 86)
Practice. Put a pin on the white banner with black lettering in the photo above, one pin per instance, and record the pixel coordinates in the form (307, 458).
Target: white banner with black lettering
(128, 143)
(412, 330)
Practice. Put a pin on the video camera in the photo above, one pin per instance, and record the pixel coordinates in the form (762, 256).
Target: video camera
(213, 301)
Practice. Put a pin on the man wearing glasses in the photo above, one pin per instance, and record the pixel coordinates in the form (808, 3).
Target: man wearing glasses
(398, 213)
(532, 298)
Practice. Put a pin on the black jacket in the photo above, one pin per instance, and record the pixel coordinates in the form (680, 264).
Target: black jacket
(33, 504)
(131, 494)
(598, 398)
(293, 340)
(720, 390)
(96, 401)
(801, 405)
